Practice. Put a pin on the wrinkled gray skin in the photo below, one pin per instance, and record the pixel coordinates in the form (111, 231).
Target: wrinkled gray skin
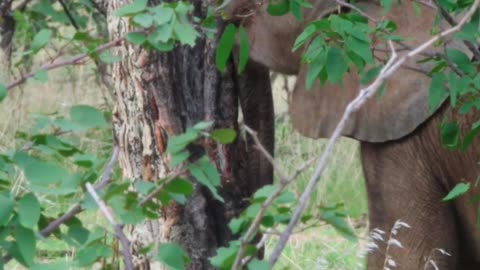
(406, 178)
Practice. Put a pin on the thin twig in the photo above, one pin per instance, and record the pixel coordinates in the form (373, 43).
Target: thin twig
(353, 7)
(165, 183)
(284, 182)
(472, 47)
(69, 15)
(127, 256)
(52, 226)
(392, 65)
(65, 62)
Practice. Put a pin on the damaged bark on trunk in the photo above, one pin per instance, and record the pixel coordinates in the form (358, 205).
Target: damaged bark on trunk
(159, 95)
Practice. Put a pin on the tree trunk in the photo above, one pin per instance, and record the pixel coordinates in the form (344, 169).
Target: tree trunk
(7, 29)
(159, 95)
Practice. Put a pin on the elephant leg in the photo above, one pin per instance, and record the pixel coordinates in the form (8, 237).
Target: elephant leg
(401, 187)
(256, 101)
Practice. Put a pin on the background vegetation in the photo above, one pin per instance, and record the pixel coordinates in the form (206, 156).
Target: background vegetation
(316, 248)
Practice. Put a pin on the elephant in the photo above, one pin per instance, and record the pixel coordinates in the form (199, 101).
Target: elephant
(407, 169)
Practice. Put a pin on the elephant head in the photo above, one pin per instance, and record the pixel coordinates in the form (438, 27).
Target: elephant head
(315, 113)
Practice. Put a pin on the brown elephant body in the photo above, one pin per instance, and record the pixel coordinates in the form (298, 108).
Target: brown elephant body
(407, 169)
(406, 180)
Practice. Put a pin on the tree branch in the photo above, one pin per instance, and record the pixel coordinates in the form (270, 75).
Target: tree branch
(69, 15)
(284, 182)
(127, 256)
(65, 62)
(472, 47)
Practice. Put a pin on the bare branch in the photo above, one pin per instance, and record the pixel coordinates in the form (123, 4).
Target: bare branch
(77, 59)
(284, 182)
(472, 47)
(69, 15)
(392, 65)
(77, 208)
(127, 256)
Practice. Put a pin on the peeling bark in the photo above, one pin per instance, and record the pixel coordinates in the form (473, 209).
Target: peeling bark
(159, 95)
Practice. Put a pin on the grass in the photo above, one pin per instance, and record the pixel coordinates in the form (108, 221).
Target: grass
(318, 248)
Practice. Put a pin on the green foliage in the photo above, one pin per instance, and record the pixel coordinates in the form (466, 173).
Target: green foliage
(282, 7)
(173, 256)
(225, 46)
(458, 190)
(3, 91)
(337, 42)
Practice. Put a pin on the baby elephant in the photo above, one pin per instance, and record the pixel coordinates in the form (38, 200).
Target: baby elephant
(407, 169)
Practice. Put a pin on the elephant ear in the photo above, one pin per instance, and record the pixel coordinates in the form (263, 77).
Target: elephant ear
(403, 106)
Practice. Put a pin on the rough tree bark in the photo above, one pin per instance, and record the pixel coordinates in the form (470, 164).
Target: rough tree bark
(159, 95)
(7, 29)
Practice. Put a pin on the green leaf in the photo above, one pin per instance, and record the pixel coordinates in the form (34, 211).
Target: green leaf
(162, 14)
(207, 175)
(109, 58)
(296, 10)
(450, 133)
(185, 33)
(6, 210)
(180, 186)
(313, 73)
(264, 192)
(26, 242)
(43, 173)
(387, 5)
(203, 125)
(459, 189)
(136, 38)
(371, 74)
(173, 256)
(161, 34)
(336, 219)
(77, 233)
(257, 264)
(91, 254)
(225, 256)
(225, 47)
(280, 9)
(41, 76)
(87, 116)
(84, 160)
(180, 142)
(41, 39)
(224, 135)
(236, 224)
(179, 157)
(437, 92)
(306, 34)
(3, 91)
(136, 7)
(144, 20)
(471, 135)
(29, 211)
(336, 65)
(361, 48)
(244, 49)
(461, 60)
